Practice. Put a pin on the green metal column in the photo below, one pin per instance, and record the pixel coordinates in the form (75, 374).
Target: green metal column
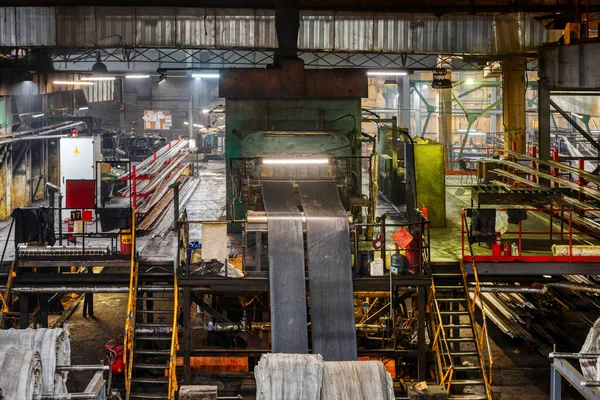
(513, 88)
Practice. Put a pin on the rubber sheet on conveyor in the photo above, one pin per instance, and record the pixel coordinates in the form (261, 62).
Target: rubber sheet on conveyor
(286, 269)
(329, 272)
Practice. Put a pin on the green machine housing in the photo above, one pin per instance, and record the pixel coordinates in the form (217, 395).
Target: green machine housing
(292, 113)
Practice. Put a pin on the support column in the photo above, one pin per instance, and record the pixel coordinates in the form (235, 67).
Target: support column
(404, 102)
(417, 103)
(543, 121)
(24, 311)
(513, 102)
(445, 115)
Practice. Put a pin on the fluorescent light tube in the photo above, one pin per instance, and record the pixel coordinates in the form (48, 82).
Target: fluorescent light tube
(295, 161)
(72, 83)
(386, 73)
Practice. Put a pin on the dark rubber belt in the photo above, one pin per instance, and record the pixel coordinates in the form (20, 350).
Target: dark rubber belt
(329, 272)
(286, 269)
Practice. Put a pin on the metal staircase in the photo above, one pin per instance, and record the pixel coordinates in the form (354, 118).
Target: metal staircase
(151, 334)
(155, 338)
(458, 342)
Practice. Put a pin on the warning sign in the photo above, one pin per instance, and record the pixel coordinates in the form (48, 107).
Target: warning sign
(76, 151)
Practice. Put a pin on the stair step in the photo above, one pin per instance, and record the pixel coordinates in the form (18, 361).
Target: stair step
(457, 367)
(461, 339)
(446, 274)
(153, 352)
(451, 299)
(155, 311)
(153, 338)
(454, 312)
(157, 381)
(468, 382)
(152, 325)
(134, 396)
(448, 287)
(457, 326)
(464, 353)
(150, 366)
(155, 298)
(467, 397)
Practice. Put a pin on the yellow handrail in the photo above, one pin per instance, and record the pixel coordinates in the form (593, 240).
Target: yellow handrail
(483, 334)
(443, 362)
(5, 299)
(131, 311)
(174, 342)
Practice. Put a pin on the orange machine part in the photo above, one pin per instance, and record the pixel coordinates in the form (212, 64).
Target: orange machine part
(230, 364)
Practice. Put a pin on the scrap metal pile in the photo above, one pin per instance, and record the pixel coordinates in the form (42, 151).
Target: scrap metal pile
(152, 182)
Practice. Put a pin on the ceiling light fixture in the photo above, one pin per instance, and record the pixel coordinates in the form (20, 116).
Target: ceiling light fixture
(37, 115)
(98, 78)
(387, 73)
(295, 161)
(99, 67)
(162, 78)
(469, 81)
(83, 108)
(206, 76)
(137, 76)
(72, 83)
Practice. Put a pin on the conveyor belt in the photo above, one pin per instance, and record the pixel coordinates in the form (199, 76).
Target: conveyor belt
(286, 269)
(329, 272)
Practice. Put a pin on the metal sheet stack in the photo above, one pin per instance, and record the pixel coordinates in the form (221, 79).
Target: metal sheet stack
(329, 270)
(308, 377)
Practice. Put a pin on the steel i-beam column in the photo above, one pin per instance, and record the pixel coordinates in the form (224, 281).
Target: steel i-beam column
(445, 115)
(404, 102)
(513, 102)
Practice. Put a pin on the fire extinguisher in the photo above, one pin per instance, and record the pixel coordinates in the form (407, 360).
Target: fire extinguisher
(71, 229)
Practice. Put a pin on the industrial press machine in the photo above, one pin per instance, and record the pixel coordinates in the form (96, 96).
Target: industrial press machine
(300, 127)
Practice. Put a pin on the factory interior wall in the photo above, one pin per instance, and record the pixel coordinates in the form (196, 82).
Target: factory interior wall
(21, 179)
(173, 95)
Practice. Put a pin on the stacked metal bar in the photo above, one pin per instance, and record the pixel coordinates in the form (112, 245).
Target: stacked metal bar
(286, 269)
(329, 271)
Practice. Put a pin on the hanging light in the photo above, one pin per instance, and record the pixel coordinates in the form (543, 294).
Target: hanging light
(99, 67)
(163, 77)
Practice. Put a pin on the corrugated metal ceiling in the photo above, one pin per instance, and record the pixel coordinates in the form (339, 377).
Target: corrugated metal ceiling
(255, 28)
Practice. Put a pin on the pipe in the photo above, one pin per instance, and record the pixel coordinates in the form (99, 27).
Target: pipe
(574, 356)
(260, 218)
(31, 137)
(89, 289)
(82, 367)
(67, 396)
(510, 289)
(575, 287)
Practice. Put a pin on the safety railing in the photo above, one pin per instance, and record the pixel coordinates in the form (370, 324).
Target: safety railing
(463, 160)
(482, 339)
(440, 345)
(131, 311)
(174, 342)
(5, 298)
(567, 225)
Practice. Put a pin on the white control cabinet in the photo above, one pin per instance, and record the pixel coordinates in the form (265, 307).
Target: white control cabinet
(78, 157)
